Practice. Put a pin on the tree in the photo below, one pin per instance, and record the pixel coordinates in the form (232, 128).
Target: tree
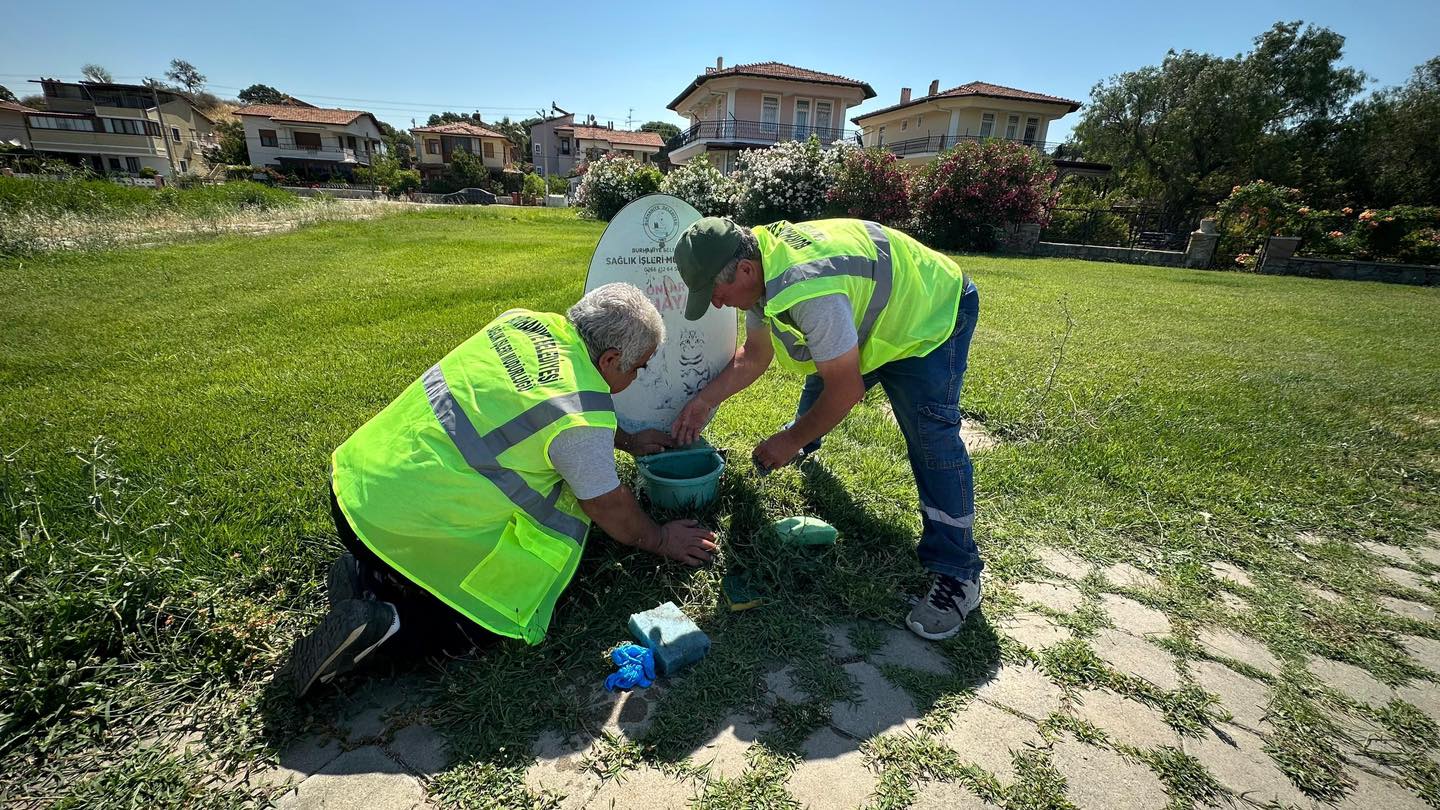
(1387, 154)
(666, 131)
(35, 102)
(230, 147)
(6, 95)
(467, 170)
(262, 94)
(186, 75)
(95, 73)
(400, 144)
(1185, 132)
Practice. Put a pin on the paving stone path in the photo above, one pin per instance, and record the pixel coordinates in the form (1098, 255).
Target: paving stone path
(1103, 748)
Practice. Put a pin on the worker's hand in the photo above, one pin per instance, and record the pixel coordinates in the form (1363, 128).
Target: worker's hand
(686, 541)
(692, 418)
(775, 452)
(645, 442)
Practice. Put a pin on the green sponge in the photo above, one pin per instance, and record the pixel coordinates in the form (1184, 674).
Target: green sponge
(805, 531)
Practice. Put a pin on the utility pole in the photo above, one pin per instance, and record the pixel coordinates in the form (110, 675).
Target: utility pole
(630, 119)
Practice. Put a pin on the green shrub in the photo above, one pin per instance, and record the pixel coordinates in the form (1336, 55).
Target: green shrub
(557, 184)
(790, 180)
(870, 184)
(106, 200)
(612, 181)
(406, 181)
(702, 185)
(148, 172)
(1094, 226)
(971, 191)
(534, 185)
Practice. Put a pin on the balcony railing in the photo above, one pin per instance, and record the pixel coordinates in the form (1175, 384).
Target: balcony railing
(338, 154)
(762, 133)
(939, 143)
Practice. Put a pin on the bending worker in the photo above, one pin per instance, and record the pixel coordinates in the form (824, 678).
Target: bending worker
(464, 504)
(851, 304)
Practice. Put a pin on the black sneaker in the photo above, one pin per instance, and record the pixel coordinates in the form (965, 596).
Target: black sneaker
(350, 631)
(343, 581)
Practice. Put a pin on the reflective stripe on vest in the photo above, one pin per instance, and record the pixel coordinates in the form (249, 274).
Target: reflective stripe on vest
(480, 451)
(879, 270)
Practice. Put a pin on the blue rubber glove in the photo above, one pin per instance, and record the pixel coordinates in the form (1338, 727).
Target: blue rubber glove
(637, 667)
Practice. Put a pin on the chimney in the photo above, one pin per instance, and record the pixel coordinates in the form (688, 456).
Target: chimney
(934, 86)
(904, 95)
(719, 63)
(609, 124)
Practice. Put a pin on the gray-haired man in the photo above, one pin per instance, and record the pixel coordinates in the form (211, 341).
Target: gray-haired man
(464, 504)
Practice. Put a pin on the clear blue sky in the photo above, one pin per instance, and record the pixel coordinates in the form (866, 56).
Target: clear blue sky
(610, 60)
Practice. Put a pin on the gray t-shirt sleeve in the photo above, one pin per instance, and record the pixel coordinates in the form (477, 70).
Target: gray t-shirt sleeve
(585, 457)
(754, 318)
(828, 325)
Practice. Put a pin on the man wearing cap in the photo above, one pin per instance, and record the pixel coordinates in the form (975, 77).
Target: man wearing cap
(465, 503)
(850, 304)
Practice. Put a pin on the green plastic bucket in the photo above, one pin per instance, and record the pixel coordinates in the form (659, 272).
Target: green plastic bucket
(682, 479)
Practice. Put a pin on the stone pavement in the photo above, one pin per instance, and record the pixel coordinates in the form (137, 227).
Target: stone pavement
(1107, 747)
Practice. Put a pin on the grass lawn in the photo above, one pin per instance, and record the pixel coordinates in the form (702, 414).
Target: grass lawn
(166, 417)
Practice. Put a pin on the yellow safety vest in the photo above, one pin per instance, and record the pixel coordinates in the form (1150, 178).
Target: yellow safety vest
(452, 485)
(903, 295)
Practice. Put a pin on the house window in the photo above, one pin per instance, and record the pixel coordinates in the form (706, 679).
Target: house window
(919, 119)
(1032, 127)
(175, 134)
(307, 140)
(432, 146)
(350, 141)
(489, 149)
(56, 122)
(564, 146)
(904, 122)
(1012, 127)
(132, 165)
(880, 141)
(802, 117)
(267, 138)
(184, 166)
(115, 165)
(987, 125)
(822, 118)
(130, 126)
(769, 114)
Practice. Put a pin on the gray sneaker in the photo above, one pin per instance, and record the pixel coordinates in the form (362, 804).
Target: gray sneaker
(942, 612)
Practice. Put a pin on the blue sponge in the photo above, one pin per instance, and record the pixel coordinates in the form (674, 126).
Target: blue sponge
(669, 633)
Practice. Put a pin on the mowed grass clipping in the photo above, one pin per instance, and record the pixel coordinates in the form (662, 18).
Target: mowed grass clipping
(155, 577)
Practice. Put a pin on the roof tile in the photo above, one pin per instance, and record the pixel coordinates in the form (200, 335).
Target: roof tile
(619, 136)
(302, 115)
(462, 128)
(977, 89)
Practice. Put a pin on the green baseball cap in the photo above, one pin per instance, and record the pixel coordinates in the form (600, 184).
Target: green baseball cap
(701, 253)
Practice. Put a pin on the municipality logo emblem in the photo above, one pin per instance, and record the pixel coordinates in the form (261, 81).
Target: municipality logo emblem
(661, 223)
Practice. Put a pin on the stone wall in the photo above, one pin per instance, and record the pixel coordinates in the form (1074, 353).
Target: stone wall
(1353, 271)
(339, 193)
(1098, 253)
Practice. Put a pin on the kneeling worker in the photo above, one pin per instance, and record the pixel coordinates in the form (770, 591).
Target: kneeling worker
(465, 502)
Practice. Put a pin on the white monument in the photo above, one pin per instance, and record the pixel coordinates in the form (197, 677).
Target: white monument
(638, 247)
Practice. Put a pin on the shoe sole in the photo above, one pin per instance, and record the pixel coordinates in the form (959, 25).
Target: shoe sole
(324, 638)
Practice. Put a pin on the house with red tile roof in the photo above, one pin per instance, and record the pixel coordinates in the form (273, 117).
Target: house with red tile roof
(558, 144)
(760, 104)
(434, 146)
(311, 142)
(917, 129)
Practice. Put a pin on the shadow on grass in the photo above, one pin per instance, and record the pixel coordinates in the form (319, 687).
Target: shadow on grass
(494, 705)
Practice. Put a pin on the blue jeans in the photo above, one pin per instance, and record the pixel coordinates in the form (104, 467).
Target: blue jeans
(925, 395)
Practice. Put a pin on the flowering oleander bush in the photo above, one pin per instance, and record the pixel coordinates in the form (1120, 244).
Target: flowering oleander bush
(702, 185)
(870, 184)
(612, 181)
(965, 197)
(789, 180)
